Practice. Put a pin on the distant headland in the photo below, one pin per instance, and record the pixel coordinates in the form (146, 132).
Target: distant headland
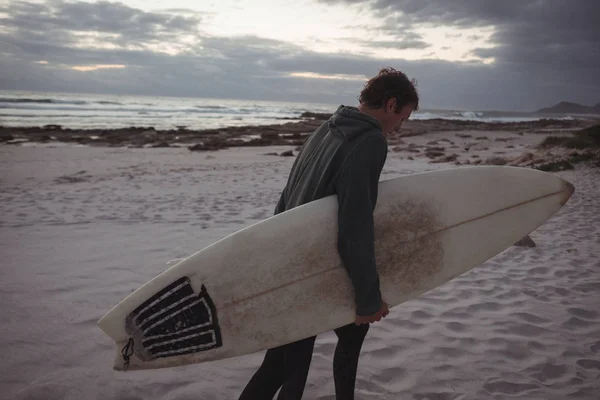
(565, 107)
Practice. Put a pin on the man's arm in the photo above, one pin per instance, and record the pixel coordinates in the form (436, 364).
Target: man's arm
(280, 204)
(356, 190)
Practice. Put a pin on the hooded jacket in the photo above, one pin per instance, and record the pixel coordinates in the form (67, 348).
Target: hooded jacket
(345, 156)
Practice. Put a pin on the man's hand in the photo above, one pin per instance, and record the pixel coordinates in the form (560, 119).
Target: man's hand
(368, 319)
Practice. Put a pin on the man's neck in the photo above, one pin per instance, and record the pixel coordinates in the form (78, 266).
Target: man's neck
(369, 111)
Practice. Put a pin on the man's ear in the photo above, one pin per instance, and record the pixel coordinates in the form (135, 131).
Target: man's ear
(391, 105)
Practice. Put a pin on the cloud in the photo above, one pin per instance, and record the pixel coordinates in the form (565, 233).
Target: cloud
(403, 40)
(87, 68)
(312, 75)
(115, 23)
(168, 53)
(559, 32)
(400, 44)
(546, 48)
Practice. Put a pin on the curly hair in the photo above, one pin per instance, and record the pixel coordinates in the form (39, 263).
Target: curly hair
(390, 83)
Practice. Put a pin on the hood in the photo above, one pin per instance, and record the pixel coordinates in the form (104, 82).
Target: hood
(350, 122)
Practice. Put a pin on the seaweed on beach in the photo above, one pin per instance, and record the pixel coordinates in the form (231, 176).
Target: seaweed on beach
(555, 166)
(584, 139)
(587, 140)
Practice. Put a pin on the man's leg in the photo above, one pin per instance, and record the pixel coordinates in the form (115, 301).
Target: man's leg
(284, 366)
(298, 357)
(269, 377)
(345, 361)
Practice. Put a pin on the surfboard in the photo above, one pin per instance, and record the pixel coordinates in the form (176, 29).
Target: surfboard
(281, 279)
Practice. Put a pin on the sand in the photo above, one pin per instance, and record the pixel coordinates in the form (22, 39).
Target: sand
(80, 228)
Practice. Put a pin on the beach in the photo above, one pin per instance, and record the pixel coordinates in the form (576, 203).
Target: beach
(85, 221)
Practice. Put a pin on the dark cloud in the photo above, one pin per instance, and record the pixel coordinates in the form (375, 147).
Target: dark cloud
(114, 23)
(549, 47)
(527, 31)
(533, 66)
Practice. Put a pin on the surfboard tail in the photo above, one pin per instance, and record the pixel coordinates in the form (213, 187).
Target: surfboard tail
(173, 322)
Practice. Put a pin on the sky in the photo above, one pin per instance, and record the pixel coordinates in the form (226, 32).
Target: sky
(464, 54)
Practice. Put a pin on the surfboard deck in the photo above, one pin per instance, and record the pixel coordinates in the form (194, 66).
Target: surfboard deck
(282, 280)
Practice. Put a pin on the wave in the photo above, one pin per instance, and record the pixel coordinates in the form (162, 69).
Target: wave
(121, 110)
(212, 107)
(479, 116)
(469, 114)
(11, 100)
(41, 101)
(116, 103)
(48, 110)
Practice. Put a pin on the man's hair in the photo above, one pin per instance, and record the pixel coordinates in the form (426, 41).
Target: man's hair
(389, 83)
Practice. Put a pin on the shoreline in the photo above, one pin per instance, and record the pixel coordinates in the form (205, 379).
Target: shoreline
(286, 133)
(433, 140)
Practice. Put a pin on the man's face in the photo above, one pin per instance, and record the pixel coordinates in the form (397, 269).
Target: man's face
(402, 116)
(395, 119)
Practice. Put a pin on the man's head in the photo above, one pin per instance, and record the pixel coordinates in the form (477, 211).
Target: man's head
(390, 97)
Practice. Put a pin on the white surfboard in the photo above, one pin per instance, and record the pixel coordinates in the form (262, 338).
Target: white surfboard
(281, 279)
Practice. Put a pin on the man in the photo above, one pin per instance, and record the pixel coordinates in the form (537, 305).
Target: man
(344, 156)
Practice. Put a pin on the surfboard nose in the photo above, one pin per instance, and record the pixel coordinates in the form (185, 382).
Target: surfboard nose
(568, 190)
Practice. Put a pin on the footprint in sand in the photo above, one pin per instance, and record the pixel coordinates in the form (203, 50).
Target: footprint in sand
(539, 270)
(575, 323)
(509, 388)
(547, 372)
(589, 364)
(527, 317)
(467, 342)
(436, 396)
(582, 313)
(449, 352)
(420, 315)
(456, 327)
(485, 306)
(407, 324)
(562, 291)
(455, 314)
(527, 330)
(536, 345)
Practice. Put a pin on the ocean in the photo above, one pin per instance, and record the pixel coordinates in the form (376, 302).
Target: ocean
(98, 111)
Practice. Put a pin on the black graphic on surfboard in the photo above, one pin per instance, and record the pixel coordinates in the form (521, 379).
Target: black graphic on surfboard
(173, 322)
